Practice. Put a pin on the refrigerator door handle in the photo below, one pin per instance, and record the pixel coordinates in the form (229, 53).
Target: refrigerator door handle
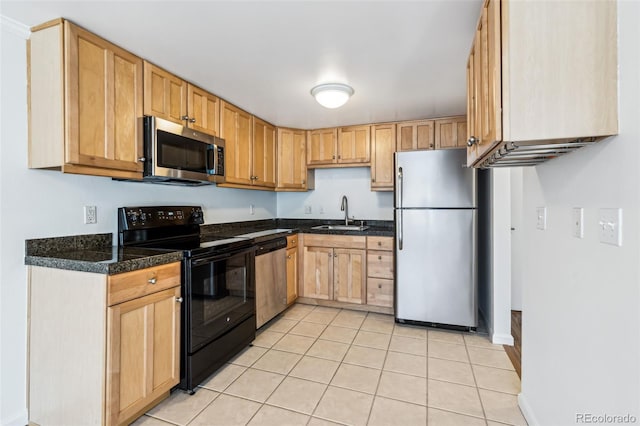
(400, 186)
(400, 230)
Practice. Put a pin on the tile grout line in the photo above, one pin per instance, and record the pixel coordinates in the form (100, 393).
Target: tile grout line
(381, 371)
(475, 381)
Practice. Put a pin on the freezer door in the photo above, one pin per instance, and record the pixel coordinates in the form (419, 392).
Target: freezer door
(436, 266)
(434, 179)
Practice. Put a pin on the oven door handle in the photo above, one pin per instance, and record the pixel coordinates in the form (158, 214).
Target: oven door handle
(196, 262)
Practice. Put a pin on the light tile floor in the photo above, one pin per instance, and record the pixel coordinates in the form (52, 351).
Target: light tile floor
(323, 366)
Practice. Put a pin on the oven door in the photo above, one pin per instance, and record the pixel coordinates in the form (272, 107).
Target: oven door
(221, 294)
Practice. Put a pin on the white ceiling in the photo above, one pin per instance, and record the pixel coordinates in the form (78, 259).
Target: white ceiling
(405, 60)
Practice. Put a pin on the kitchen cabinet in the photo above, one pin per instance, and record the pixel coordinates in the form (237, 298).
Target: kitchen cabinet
(334, 268)
(122, 343)
(85, 99)
(380, 275)
(341, 147)
(250, 149)
(293, 174)
(292, 268)
(236, 130)
(451, 132)
(527, 86)
(263, 164)
(171, 98)
(383, 145)
(415, 135)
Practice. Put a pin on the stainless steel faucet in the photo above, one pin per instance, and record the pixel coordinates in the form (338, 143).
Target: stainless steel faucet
(345, 208)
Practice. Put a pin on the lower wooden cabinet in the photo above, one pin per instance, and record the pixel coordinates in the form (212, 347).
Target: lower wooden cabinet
(292, 268)
(334, 268)
(380, 273)
(92, 361)
(143, 361)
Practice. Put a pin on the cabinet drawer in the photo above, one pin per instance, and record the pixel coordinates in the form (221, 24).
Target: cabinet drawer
(292, 241)
(134, 284)
(380, 264)
(380, 292)
(335, 241)
(380, 243)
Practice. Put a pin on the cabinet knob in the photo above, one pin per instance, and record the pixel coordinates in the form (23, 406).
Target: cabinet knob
(335, 255)
(472, 140)
(379, 257)
(142, 159)
(289, 257)
(293, 241)
(303, 182)
(333, 157)
(152, 280)
(373, 179)
(430, 145)
(339, 157)
(379, 285)
(179, 299)
(379, 243)
(192, 120)
(184, 117)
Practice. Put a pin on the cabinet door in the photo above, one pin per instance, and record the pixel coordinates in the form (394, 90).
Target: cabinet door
(292, 275)
(414, 135)
(321, 148)
(354, 145)
(204, 111)
(318, 273)
(349, 275)
(471, 105)
(383, 144)
(451, 133)
(292, 160)
(235, 129)
(264, 154)
(143, 352)
(490, 124)
(103, 87)
(165, 95)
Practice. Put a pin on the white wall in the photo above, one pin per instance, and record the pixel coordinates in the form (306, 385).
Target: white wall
(331, 185)
(517, 242)
(581, 298)
(41, 203)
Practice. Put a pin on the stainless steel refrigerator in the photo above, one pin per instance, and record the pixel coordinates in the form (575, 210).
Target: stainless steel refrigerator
(435, 220)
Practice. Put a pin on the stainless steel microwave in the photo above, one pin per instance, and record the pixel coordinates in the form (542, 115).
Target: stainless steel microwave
(175, 154)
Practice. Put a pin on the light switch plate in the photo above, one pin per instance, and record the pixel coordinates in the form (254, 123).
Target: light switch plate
(307, 209)
(578, 222)
(90, 215)
(252, 209)
(610, 226)
(541, 215)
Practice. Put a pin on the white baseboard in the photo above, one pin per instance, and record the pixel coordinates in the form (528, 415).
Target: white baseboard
(502, 339)
(18, 419)
(527, 412)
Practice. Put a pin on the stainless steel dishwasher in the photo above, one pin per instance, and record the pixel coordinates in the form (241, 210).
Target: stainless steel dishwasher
(271, 279)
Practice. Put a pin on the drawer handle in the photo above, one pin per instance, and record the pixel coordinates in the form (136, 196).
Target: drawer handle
(379, 285)
(379, 243)
(379, 257)
(179, 299)
(152, 280)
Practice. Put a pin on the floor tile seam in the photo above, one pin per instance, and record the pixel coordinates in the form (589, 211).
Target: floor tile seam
(500, 349)
(457, 412)
(205, 407)
(497, 391)
(168, 421)
(445, 341)
(386, 354)
(370, 347)
(400, 400)
(449, 359)
(328, 359)
(356, 390)
(406, 353)
(475, 381)
(230, 383)
(406, 374)
(491, 366)
(271, 404)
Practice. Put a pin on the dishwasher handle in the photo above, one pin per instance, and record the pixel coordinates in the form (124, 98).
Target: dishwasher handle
(269, 246)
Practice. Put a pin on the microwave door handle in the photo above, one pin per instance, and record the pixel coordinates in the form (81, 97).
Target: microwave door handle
(211, 160)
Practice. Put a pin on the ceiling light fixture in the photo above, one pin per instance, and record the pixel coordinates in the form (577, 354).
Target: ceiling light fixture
(332, 95)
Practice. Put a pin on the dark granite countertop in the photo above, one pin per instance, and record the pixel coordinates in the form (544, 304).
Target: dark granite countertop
(383, 228)
(93, 253)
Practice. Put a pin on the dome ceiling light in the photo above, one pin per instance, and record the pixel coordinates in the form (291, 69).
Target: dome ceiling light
(332, 95)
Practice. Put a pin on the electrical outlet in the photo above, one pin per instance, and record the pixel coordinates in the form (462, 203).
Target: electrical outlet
(321, 210)
(578, 219)
(307, 209)
(252, 209)
(541, 214)
(90, 214)
(610, 226)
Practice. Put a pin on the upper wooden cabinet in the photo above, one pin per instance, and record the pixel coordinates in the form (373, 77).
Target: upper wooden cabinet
(250, 149)
(321, 147)
(415, 135)
(85, 98)
(264, 154)
(236, 130)
(383, 144)
(451, 132)
(529, 82)
(341, 147)
(292, 161)
(169, 97)
(354, 145)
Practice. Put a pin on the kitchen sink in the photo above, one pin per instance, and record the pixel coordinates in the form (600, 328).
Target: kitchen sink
(341, 227)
